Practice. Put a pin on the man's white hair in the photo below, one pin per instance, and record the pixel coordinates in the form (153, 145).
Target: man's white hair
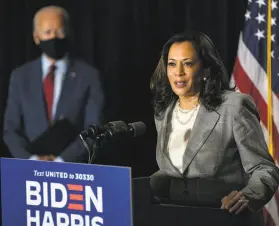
(58, 10)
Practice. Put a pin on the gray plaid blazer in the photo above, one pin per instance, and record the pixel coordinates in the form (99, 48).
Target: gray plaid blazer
(225, 145)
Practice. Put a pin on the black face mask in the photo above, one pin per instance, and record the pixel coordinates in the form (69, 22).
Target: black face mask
(55, 48)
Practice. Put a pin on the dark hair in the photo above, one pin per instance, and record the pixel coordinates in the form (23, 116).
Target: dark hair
(215, 73)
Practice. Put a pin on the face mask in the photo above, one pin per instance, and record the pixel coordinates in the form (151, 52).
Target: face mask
(55, 48)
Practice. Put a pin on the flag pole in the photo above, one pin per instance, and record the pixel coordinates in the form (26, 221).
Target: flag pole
(269, 79)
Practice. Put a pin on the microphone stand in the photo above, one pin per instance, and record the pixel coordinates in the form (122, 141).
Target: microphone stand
(95, 147)
(92, 148)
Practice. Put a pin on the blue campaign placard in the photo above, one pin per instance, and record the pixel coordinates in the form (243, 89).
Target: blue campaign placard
(39, 193)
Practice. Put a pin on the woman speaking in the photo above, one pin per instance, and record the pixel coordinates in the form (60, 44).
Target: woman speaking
(211, 149)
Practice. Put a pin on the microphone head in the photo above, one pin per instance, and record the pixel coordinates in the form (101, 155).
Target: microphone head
(119, 126)
(93, 131)
(115, 129)
(138, 128)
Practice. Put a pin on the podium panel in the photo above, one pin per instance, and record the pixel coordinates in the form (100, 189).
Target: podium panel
(150, 211)
(167, 214)
(38, 193)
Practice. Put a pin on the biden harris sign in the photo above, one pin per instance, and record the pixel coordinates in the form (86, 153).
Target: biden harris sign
(37, 193)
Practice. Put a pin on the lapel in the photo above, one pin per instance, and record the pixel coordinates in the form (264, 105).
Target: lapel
(165, 160)
(36, 95)
(164, 125)
(68, 90)
(203, 126)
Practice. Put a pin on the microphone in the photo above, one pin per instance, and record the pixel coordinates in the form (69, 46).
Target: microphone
(115, 129)
(92, 132)
(119, 129)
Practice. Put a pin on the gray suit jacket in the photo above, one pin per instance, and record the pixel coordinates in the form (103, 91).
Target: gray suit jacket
(226, 145)
(81, 101)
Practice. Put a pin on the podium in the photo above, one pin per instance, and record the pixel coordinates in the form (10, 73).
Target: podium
(150, 212)
(38, 193)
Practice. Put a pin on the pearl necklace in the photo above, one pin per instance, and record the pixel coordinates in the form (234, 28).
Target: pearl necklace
(190, 112)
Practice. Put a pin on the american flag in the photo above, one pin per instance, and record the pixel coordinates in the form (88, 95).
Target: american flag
(250, 75)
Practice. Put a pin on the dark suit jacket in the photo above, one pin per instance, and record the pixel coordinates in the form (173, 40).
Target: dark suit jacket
(227, 148)
(81, 101)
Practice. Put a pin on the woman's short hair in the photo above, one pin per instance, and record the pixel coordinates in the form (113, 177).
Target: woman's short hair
(216, 78)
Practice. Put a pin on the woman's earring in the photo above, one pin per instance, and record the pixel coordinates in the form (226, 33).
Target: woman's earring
(204, 78)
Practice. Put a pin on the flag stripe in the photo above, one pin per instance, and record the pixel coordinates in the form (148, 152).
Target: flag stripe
(245, 85)
(268, 219)
(276, 197)
(271, 207)
(256, 74)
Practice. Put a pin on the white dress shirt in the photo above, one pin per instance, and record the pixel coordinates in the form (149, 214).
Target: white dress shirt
(59, 75)
(179, 132)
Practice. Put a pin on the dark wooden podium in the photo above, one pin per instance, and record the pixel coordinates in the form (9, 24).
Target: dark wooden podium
(146, 212)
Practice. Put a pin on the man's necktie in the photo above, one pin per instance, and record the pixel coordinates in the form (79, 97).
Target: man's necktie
(49, 90)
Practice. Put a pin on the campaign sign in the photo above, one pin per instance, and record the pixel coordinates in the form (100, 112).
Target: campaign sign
(38, 193)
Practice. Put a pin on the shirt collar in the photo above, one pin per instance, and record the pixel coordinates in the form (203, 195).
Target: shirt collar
(61, 65)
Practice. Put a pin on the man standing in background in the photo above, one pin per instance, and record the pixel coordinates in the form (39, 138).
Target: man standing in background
(53, 87)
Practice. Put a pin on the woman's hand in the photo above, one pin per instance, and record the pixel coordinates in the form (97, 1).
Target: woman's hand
(235, 202)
